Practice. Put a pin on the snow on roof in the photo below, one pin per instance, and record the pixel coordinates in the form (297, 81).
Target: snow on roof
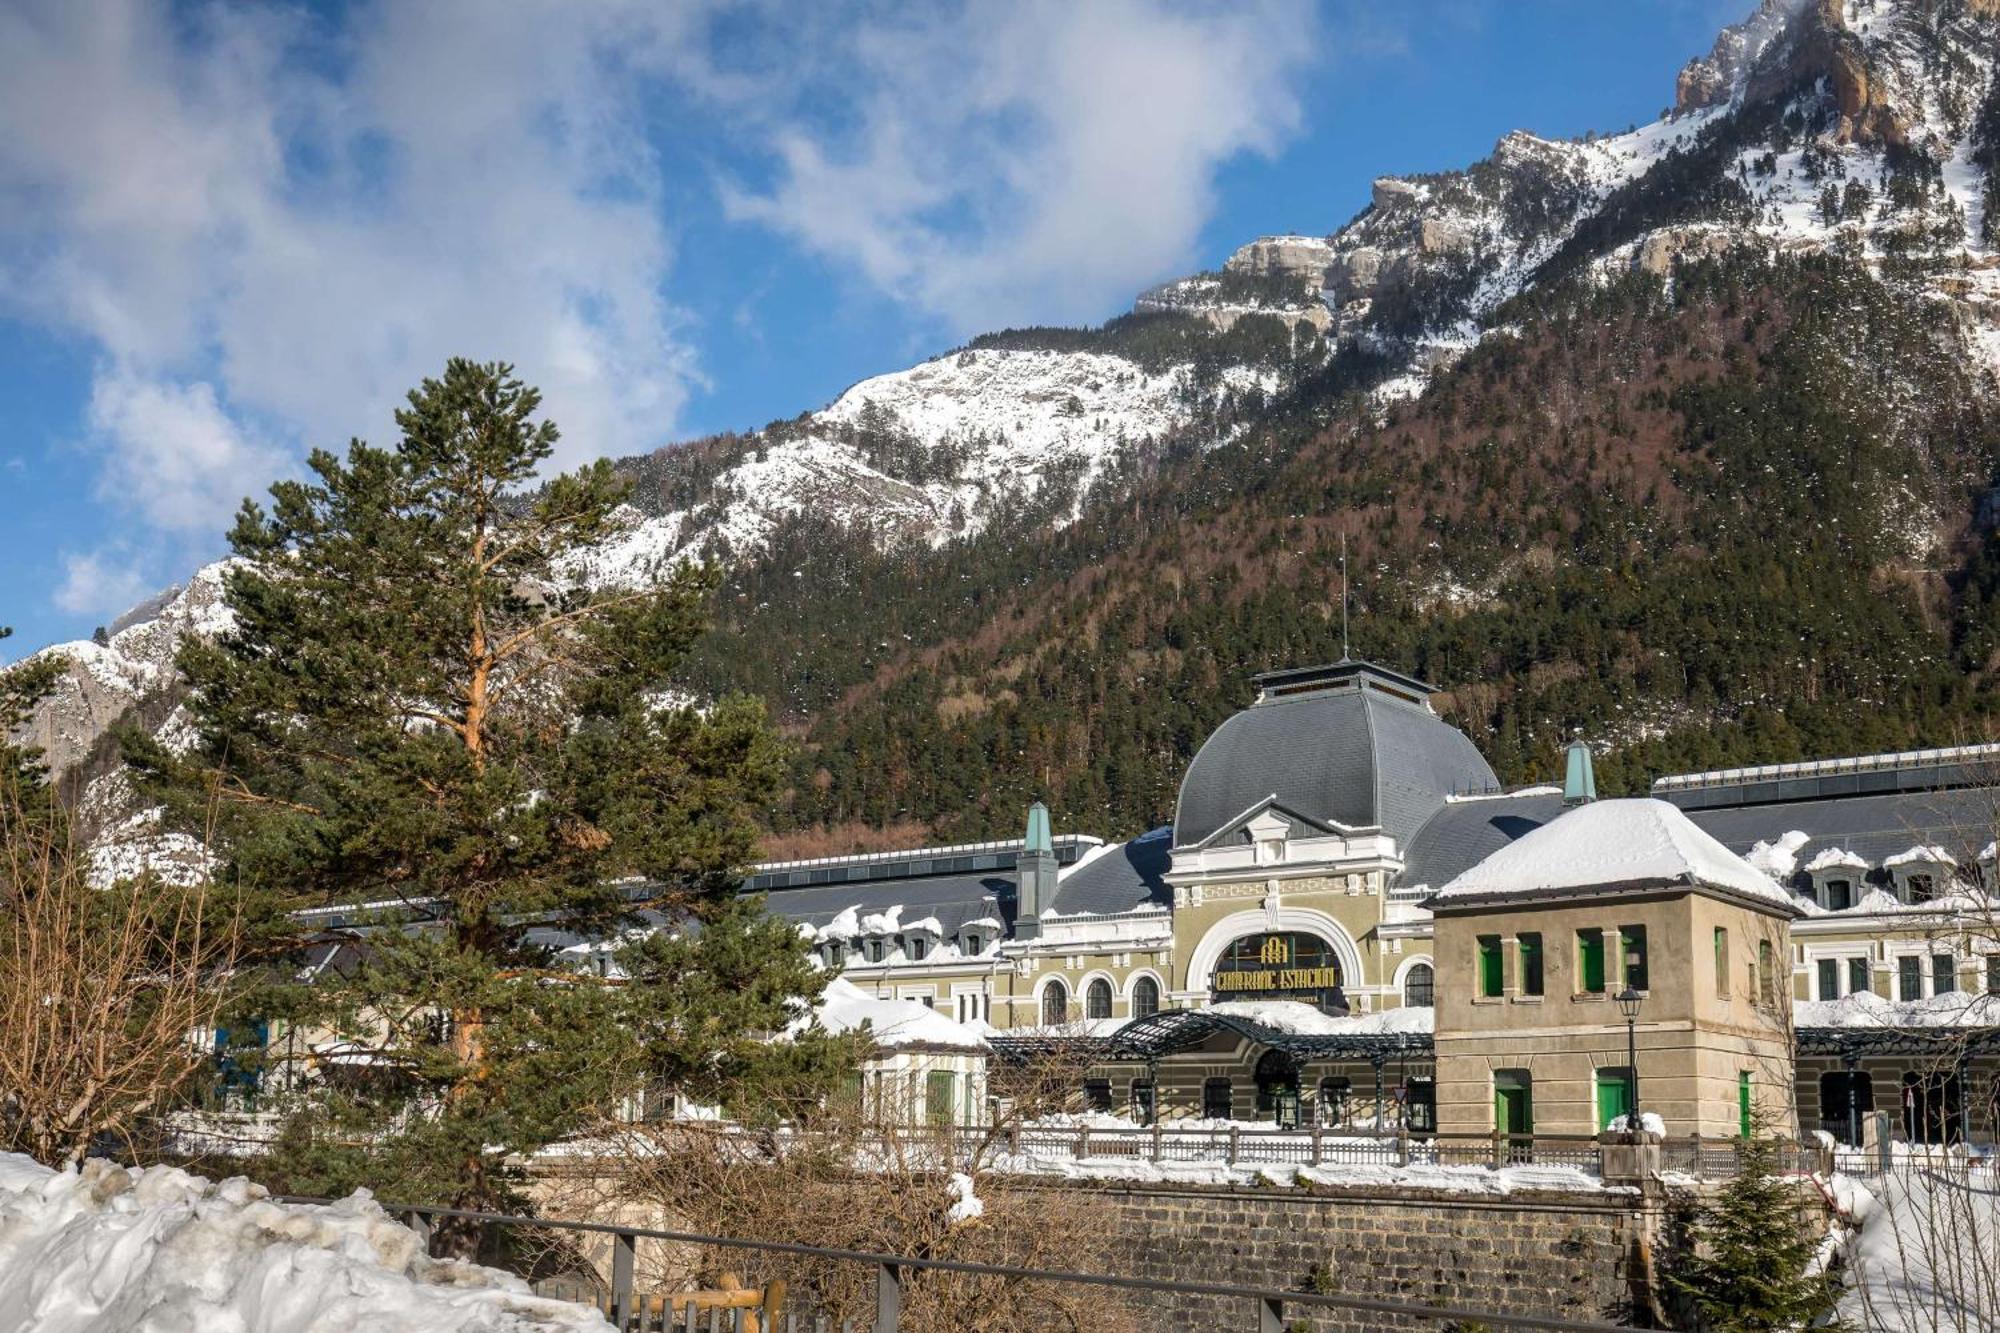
(1780, 858)
(1921, 855)
(1612, 842)
(845, 1007)
(927, 925)
(846, 924)
(1835, 858)
(1303, 1020)
(1541, 789)
(885, 922)
(1865, 1009)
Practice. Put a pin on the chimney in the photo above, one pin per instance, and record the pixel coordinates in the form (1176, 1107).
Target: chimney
(1579, 779)
(1037, 870)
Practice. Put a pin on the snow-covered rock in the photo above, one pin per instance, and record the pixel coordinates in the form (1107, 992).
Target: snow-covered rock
(159, 1249)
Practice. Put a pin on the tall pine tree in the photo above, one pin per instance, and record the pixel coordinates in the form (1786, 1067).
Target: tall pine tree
(423, 705)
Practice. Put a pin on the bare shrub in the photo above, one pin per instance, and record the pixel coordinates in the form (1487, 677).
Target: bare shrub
(845, 1181)
(103, 992)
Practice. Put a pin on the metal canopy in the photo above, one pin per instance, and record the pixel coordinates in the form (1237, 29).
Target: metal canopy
(1173, 1030)
(1959, 1042)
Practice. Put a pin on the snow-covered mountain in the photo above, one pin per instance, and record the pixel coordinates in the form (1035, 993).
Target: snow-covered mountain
(1866, 127)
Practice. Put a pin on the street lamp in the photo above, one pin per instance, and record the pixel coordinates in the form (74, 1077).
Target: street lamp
(1628, 1005)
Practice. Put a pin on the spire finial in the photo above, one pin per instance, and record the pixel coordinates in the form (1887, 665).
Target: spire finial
(1579, 777)
(1344, 654)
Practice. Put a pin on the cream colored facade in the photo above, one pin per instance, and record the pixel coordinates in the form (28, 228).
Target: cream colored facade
(1710, 1020)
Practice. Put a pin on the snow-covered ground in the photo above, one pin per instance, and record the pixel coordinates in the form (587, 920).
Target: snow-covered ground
(1926, 1258)
(157, 1250)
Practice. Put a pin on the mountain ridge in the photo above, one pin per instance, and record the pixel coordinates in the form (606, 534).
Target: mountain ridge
(1867, 134)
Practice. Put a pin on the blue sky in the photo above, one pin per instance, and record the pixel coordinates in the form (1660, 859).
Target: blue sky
(229, 233)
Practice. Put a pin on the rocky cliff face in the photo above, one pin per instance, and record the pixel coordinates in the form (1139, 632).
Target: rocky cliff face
(1868, 126)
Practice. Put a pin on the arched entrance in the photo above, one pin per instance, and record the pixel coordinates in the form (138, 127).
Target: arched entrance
(1230, 945)
(1278, 1088)
(1281, 965)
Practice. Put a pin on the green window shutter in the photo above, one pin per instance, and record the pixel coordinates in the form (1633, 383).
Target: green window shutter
(1632, 956)
(1743, 1104)
(1590, 960)
(1722, 962)
(1491, 977)
(1531, 964)
(1829, 979)
(1857, 976)
(940, 1092)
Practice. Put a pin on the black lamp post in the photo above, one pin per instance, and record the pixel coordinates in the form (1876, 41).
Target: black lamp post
(1628, 1005)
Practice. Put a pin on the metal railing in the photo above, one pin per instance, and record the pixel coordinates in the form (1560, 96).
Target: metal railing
(631, 1311)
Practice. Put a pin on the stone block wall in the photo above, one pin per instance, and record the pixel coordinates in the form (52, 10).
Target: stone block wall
(1561, 1254)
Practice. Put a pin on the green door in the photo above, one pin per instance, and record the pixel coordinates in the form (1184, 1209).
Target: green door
(1614, 1096)
(1513, 1103)
(1743, 1104)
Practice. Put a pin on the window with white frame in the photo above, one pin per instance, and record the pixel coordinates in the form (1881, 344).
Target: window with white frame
(1840, 976)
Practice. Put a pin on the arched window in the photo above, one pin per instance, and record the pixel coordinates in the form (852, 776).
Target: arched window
(1418, 986)
(1055, 1004)
(1146, 996)
(1097, 999)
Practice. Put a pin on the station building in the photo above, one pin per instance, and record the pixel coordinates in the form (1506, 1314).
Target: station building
(1292, 948)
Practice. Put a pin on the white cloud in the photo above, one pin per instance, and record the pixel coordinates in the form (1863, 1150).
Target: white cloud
(172, 454)
(1035, 161)
(98, 583)
(275, 218)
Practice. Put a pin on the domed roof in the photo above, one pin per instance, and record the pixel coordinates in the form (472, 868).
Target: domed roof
(1349, 744)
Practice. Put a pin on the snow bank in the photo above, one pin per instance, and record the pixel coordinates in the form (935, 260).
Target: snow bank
(1922, 1257)
(1649, 1121)
(159, 1250)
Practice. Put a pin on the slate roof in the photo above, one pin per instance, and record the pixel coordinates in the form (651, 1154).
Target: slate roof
(1121, 878)
(1874, 828)
(1464, 833)
(952, 899)
(1346, 751)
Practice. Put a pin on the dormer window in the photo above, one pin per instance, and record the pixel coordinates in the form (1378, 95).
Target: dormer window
(833, 953)
(973, 943)
(915, 947)
(1922, 874)
(1836, 878)
(874, 948)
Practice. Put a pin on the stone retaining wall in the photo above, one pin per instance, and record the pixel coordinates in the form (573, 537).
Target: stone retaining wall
(1568, 1255)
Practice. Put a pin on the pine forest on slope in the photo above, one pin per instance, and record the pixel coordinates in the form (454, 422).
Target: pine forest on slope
(1681, 436)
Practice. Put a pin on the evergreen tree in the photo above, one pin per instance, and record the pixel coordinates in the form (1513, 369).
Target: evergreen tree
(421, 706)
(1749, 1269)
(22, 771)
